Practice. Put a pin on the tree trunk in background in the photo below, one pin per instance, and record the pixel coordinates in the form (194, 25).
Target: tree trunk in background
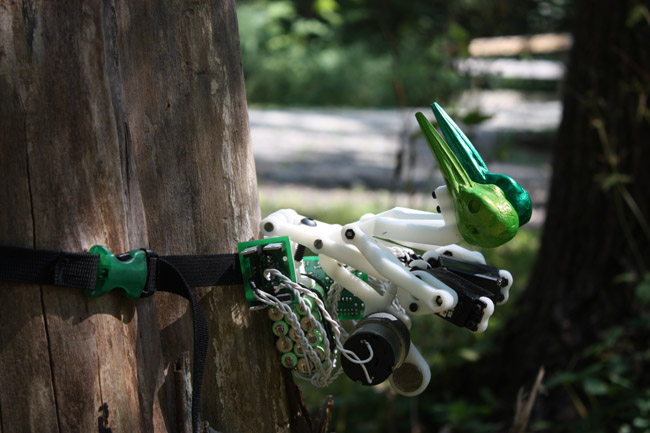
(596, 231)
(125, 124)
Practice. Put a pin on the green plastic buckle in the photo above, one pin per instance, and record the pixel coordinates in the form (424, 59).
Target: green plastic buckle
(126, 271)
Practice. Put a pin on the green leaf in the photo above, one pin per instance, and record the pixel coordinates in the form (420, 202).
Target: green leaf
(637, 14)
(281, 10)
(570, 377)
(607, 181)
(625, 428)
(469, 354)
(328, 10)
(642, 291)
(640, 422)
(594, 386)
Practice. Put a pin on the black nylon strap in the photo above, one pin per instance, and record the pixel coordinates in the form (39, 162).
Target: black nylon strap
(25, 265)
(171, 280)
(208, 270)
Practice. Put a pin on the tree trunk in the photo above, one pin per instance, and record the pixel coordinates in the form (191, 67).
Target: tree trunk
(125, 124)
(596, 241)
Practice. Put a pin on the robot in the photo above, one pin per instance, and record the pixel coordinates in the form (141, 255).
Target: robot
(386, 269)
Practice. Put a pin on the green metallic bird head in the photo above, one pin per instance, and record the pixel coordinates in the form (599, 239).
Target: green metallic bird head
(485, 217)
(476, 168)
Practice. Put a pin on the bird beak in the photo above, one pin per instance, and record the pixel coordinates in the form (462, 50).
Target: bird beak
(460, 145)
(452, 170)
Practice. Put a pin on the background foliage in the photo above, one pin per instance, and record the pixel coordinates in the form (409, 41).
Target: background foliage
(373, 53)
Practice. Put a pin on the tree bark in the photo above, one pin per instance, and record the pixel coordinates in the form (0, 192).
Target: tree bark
(596, 242)
(125, 124)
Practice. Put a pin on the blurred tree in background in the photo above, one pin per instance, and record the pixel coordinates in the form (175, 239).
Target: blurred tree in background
(584, 315)
(373, 53)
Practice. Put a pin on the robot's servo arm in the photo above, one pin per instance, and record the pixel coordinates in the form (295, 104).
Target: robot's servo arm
(385, 269)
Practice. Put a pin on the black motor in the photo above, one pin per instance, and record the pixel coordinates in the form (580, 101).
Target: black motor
(390, 341)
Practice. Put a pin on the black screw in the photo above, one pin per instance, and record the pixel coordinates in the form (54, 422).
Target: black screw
(477, 308)
(349, 233)
(438, 209)
(300, 253)
(438, 300)
(318, 244)
(414, 307)
(268, 227)
(433, 194)
(471, 325)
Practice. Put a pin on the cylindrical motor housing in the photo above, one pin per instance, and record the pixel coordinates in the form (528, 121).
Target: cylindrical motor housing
(389, 339)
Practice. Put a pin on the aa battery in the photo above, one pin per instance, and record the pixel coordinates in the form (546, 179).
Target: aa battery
(314, 337)
(304, 366)
(307, 324)
(289, 360)
(283, 344)
(298, 350)
(274, 314)
(315, 311)
(280, 328)
(311, 306)
(320, 352)
(318, 288)
(300, 310)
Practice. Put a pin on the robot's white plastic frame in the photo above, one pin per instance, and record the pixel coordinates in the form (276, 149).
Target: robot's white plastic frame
(366, 244)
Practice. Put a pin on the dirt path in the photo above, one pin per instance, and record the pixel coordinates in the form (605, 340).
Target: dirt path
(316, 153)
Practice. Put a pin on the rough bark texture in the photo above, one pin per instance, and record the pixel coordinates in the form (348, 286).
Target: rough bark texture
(125, 124)
(599, 203)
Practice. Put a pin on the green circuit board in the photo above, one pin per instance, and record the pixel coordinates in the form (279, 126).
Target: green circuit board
(259, 255)
(350, 307)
